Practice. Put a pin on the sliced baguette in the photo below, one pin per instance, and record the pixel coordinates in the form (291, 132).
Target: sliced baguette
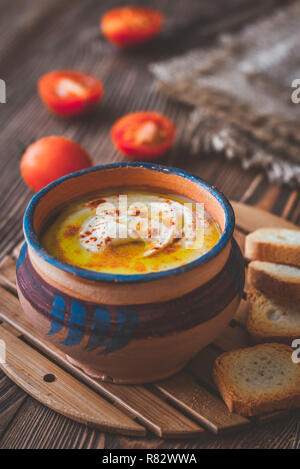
(258, 379)
(276, 280)
(274, 245)
(271, 320)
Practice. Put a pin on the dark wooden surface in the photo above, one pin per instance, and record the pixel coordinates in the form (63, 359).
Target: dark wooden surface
(36, 36)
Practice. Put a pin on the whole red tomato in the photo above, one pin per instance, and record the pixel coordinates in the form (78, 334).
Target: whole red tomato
(129, 26)
(50, 158)
(68, 93)
(143, 135)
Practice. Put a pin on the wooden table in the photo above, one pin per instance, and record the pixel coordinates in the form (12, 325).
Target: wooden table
(37, 36)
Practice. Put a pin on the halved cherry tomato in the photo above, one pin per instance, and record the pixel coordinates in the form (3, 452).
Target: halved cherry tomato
(129, 26)
(50, 158)
(143, 135)
(68, 93)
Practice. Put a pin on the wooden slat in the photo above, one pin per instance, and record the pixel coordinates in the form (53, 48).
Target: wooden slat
(194, 399)
(17, 250)
(66, 395)
(183, 390)
(164, 420)
(271, 416)
(268, 201)
(11, 399)
(240, 237)
(157, 415)
(8, 272)
(251, 218)
(201, 368)
(36, 426)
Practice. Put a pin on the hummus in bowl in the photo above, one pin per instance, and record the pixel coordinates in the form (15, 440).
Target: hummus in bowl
(130, 269)
(130, 232)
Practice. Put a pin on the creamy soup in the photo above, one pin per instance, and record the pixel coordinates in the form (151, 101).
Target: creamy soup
(131, 232)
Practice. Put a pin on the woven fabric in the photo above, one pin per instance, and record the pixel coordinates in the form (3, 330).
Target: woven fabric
(241, 89)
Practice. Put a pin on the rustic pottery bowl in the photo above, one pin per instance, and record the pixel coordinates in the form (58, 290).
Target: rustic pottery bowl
(130, 328)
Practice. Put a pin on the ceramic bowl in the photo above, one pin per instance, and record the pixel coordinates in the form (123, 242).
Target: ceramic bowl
(130, 328)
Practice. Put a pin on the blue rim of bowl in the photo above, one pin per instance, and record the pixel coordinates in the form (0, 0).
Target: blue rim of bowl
(34, 243)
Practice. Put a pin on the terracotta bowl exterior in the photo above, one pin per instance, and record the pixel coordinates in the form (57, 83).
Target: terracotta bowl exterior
(130, 328)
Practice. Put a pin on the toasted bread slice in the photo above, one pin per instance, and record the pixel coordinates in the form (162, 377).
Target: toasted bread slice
(276, 280)
(271, 320)
(274, 245)
(258, 379)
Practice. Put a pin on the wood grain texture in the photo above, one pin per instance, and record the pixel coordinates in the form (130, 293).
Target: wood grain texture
(8, 273)
(11, 399)
(38, 427)
(137, 401)
(209, 410)
(47, 33)
(251, 218)
(58, 390)
(50, 34)
(182, 390)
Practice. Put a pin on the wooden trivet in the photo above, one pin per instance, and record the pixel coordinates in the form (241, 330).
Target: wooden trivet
(183, 406)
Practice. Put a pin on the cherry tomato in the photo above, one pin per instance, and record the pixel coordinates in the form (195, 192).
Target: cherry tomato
(143, 135)
(69, 93)
(50, 158)
(129, 26)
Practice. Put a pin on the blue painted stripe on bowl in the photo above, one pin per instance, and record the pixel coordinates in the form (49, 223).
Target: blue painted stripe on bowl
(100, 329)
(77, 324)
(21, 255)
(128, 321)
(113, 278)
(57, 314)
(156, 319)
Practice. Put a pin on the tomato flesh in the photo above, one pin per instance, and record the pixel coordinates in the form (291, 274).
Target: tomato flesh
(50, 158)
(67, 88)
(129, 26)
(70, 93)
(143, 135)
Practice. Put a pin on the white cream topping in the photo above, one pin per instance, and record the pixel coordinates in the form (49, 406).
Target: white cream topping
(155, 220)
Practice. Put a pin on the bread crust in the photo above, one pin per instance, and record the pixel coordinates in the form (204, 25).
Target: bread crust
(251, 405)
(258, 330)
(271, 285)
(270, 251)
(265, 252)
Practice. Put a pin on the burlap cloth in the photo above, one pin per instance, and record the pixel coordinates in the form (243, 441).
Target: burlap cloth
(241, 90)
